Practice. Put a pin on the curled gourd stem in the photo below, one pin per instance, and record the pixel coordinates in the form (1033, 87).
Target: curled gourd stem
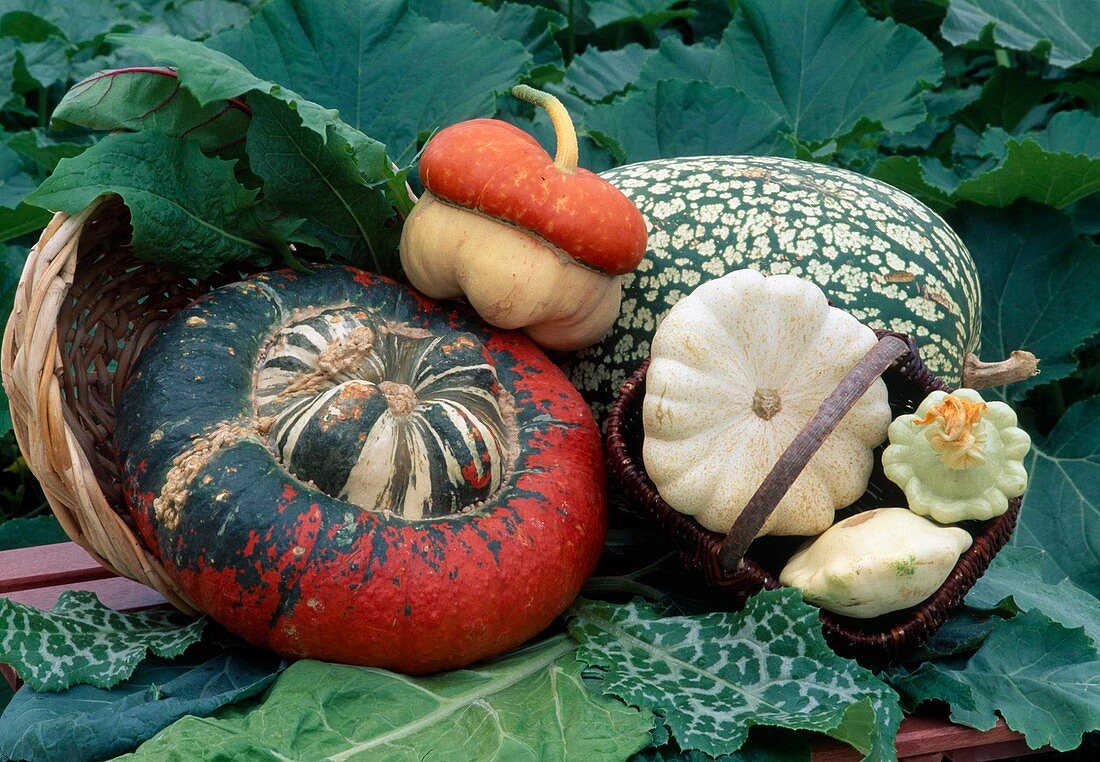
(566, 157)
(979, 374)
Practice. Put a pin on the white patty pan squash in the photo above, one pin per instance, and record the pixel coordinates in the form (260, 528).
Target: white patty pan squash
(738, 367)
(958, 457)
(875, 562)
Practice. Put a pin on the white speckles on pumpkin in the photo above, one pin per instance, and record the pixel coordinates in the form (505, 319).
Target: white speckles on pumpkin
(851, 235)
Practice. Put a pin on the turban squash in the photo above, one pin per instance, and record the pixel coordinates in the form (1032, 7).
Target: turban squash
(334, 466)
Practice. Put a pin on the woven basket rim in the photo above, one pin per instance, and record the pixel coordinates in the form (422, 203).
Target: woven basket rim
(46, 430)
(874, 642)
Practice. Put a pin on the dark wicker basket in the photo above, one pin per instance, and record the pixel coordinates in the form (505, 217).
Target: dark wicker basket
(873, 642)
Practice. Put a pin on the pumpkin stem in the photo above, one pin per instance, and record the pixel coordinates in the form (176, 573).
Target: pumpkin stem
(567, 154)
(979, 374)
(794, 459)
(766, 403)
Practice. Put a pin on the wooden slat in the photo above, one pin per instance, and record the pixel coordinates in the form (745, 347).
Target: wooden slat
(929, 737)
(117, 593)
(38, 576)
(46, 565)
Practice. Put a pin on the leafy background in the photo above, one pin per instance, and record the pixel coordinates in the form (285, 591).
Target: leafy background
(279, 134)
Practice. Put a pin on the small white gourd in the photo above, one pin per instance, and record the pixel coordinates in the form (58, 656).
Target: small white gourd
(738, 367)
(883, 560)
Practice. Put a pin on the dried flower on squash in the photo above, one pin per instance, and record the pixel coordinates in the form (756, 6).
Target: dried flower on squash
(958, 457)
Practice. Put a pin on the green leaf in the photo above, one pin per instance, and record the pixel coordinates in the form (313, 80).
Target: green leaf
(1042, 678)
(8, 48)
(764, 745)
(962, 633)
(529, 705)
(89, 723)
(20, 221)
(82, 641)
(45, 62)
(597, 75)
(43, 149)
(1056, 166)
(15, 183)
(1086, 215)
(1006, 98)
(212, 77)
(1038, 287)
(532, 26)
(910, 174)
(824, 65)
(85, 22)
(678, 118)
(651, 13)
(711, 677)
(392, 74)
(12, 259)
(187, 209)
(1061, 508)
(321, 180)
(201, 18)
(29, 532)
(1014, 583)
(1068, 29)
(150, 99)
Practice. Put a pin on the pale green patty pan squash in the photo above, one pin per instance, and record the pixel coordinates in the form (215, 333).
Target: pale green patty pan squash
(875, 251)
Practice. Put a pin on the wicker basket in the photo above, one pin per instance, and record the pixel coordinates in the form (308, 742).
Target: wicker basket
(875, 642)
(84, 310)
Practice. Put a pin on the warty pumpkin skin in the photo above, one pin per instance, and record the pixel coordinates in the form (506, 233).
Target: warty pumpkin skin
(287, 566)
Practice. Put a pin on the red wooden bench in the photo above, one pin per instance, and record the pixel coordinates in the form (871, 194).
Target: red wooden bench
(37, 576)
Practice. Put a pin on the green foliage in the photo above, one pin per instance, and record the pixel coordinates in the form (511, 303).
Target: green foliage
(1043, 678)
(1061, 509)
(29, 531)
(167, 185)
(711, 677)
(1038, 281)
(1065, 31)
(394, 77)
(89, 723)
(678, 118)
(1014, 583)
(139, 99)
(320, 178)
(82, 641)
(784, 55)
(531, 705)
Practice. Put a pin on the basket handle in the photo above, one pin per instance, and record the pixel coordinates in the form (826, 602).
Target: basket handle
(794, 459)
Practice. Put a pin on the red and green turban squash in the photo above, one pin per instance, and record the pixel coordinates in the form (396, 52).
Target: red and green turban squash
(334, 466)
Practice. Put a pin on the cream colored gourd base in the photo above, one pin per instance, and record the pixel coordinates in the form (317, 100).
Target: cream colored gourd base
(512, 278)
(739, 367)
(875, 562)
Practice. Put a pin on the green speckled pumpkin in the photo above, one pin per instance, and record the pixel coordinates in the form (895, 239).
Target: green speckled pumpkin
(877, 253)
